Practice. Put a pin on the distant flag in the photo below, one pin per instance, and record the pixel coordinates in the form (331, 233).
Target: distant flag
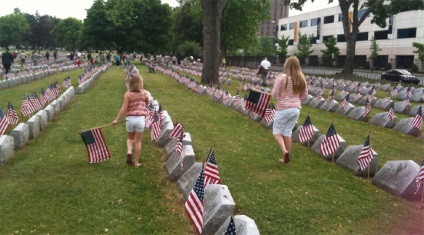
(371, 93)
(394, 91)
(307, 130)
(367, 108)
(257, 102)
(366, 155)
(406, 102)
(4, 123)
(344, 91)
(410, 90)
(417, 121)
(11, 114)
(420, 177)
(150, 113)
(330, 97)
(320, 93)
(35, 101)
(391, 112)
(357, 96)
(43, 97)
(179, 148)
(96, 146)
(66, 82)
(26, 108)
(231, 229)
(211, 169)
(387, 99)
(269, 113)
(331, 142)
(194, 204)
(345, 102)
(155, 126)
(243, 103)
(178, 128)
(359, 88)
(236, 98)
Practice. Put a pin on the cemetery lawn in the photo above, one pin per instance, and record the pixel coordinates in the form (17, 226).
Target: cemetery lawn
(49, 187)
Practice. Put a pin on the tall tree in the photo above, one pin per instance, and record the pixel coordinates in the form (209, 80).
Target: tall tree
(380, 9)
(212, 15)
(68, 32)
(331, 52)
(283, 44)
(96, 26)
(375, 50)
(304, 47)
(13, 28)
(419, 51)
(188, 22)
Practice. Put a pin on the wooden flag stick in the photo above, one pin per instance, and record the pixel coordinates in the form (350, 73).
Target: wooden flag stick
(207, 157)
(105, 125)
(422, 196)
(253, 89)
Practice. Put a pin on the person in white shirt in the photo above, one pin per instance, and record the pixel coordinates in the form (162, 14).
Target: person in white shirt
(266, 65)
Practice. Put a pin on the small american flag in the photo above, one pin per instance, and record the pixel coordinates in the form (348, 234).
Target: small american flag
(194, 204)
(307, 130)
(366, 155)
(359, 88)
(331, 142)
(357, 96)
(406, 103)
(179, 148)
(257, 102)
(367, 108)
(410, 90)
(150, 113)
(231, 229)
(43, 97)
(330, 97)
(4, 123)
(420, 176)
(66, 82)
(155, 126)
(344, 91)
(26, 108)
(394, 91)
(236, 98)
(391, 112)
(96, 146)
(371, 93)
(319, 95)
(387, 99)
(269, 113)
(345, 102)
(417, 122)
(11, 114)
(35, 101)
(176, 132)
(211, 169)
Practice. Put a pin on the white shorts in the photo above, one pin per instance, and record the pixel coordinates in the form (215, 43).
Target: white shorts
(284, 121)
(135, 123)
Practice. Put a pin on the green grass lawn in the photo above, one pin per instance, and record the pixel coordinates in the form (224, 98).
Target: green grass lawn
(49, 187)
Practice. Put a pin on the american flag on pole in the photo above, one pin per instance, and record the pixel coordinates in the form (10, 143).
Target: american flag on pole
(155, 126)
(26, 108)
(330, 97)
(394, 91)
(391, 112)
(410, 90)
(344, 91)
(367, 108)
(211, 169)
(236, 98)
(345, 102)
(366, 155)
(150, 113)
(307, 130)
(66, 82)
(11, 114)
(357, 96)
(96, 146)
(269, 113)
(4, 123)
(231, 229)
(194, 204)
(387, 99)
(417, 121)
(257, 102)
(331, 142)
(178, 128)
(371, 93)
(35, 101)
(179, 148)
(406, 102)
(43, 97)
(420, 177)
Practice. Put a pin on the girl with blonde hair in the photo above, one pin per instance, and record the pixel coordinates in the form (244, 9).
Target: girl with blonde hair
(289, 89)
(134, 106)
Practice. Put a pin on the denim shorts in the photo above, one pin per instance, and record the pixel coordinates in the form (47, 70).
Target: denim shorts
(135, 123)
(284, 121)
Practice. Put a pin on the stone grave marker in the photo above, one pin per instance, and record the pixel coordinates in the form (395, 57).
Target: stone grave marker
(349, 158)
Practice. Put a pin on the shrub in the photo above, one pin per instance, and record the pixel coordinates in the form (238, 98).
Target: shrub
(414, 68)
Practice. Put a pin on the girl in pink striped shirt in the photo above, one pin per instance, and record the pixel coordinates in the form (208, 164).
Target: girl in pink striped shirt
(289, 89)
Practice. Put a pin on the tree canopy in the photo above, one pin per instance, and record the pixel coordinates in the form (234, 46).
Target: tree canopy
(68, 32)
(12, 28)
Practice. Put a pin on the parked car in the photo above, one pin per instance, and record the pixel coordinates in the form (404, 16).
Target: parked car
(399, 75)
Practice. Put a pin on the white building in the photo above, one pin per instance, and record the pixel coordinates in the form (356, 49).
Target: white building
(395, 40)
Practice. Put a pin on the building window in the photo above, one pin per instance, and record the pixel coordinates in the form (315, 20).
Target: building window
(340, 17)
(314, 21)
(379, 35)
(362, 36)
(341, 38)
(291, 42)
(328, 19)
(361, 13)
(407, 33)
(291, 26)
(325, 38)
(314, 40)
(303, 23)
(283, 27)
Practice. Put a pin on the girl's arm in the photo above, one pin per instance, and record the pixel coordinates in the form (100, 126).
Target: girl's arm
(123, 110)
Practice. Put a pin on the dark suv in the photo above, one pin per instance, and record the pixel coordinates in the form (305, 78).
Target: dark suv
(399, 75)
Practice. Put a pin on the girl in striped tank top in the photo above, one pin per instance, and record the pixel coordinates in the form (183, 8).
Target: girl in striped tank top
(289, 89)
(134, 106)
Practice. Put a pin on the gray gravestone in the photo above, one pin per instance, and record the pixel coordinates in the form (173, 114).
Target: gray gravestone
(401, 95)
(380, 119)
(382, 104)
(314, 138)
(358, 114)
(50, 112)
(385, 87)
(20, 135)
(414, 109)
(34, 126)
(400, 108)
(349, 158)
(244, 226)
(7, 148)
(307, 100)
(398, 178)
(340, 110)
(406, 127)
(316, 103)
(218, 206)
(43, 118)
(173, 166)
(316, 147)
(186, 182)
(330, 106)
(172, 144)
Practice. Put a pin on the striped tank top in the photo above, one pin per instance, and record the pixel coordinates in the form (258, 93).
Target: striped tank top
(137, 104)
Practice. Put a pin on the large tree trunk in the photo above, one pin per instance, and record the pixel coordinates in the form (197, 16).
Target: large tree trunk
(212, 14)
(350, 58)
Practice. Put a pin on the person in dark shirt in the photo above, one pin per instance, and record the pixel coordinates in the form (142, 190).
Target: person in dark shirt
(7, 60)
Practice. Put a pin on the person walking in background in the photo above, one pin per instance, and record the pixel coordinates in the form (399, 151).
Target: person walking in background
(35, 58)
(134, 106)
(117, 60)
(47, 56)
(266, 65)
(7, 61)
(22, 58)
(55, 55)
(289, 89)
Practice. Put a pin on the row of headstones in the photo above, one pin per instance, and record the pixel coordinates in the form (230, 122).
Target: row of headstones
(357, 113)
(90, 82)
(184, 170)
(23, 132)
(395, 177)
